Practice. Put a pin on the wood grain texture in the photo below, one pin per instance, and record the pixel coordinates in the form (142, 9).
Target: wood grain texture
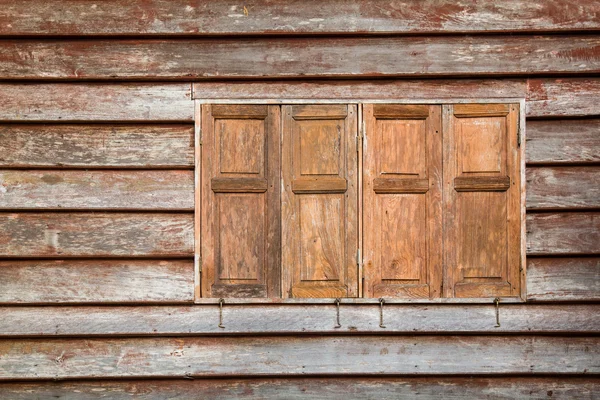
(495, 388)
(563, 141)
(362, 89)
(88, 321)
(563, 279)
(96, 146)
(563, 233)
(40, 359)
(96, 190)
(59, 235)
(69, 102)
(197, 59)
(95, 281)
(563, 97)
(552, 188)
(256, 17)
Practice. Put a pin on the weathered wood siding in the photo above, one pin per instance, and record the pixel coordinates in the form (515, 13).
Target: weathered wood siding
(97, 198)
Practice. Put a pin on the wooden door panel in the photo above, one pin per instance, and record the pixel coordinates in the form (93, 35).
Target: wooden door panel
(240, 201)
(402, 200)
(482, 195)
(319, 201)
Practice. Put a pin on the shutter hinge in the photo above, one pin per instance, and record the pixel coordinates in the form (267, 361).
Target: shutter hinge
(359, 138)
(358, 258)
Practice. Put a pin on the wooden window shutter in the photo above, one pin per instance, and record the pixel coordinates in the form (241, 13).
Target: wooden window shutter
(319, 201)
(482, 220)
(240, 216)
(402, 201)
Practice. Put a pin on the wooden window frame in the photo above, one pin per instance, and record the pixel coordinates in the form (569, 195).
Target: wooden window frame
(201, 97)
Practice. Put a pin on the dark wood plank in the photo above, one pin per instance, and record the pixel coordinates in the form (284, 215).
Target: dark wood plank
(91, 146)
(97, 102)
(551, 188)
(563, 279)
(96, 281)
(481, 184)
(563, 233)
(362, 89)
(96, 190)
(61, 235)
(298, 319)
(391, 185)
(526, 388)
(238, 185)
(165, 17)
(295, 356)
(197, 59)
(565, 97)
(563, 141)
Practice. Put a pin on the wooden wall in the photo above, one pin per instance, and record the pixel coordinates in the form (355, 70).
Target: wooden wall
(97, 199)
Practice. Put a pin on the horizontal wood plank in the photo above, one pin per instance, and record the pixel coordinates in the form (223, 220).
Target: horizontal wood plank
(563, 233)
(563, 279)
(71, 102)
(563, 141)
(59, 235)
(194, 59)
(96, 190)
(287, 319)
(496, 388)
(96, 146)
(256, 17)
(296, 356)
(550, 188)
(362, 89)
(96, 281)
(564, 97)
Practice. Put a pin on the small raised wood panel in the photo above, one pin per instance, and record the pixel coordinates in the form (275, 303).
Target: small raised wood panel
(402, 201)
(319, 201)
(482, 221)
(240, 201)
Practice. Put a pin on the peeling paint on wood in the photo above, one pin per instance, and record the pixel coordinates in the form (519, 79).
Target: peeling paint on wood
(167, 17)
(552, 188)
(563, 97)
(70, 102)
(299, 58)
(564, 279)
(563, 233)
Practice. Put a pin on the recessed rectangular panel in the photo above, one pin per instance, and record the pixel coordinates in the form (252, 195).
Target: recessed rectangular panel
(321, 237)
(403, 232)
(241, 236)
(482, 237)
(481, 144)
(320, 143)
(241, 145)
(402, 147)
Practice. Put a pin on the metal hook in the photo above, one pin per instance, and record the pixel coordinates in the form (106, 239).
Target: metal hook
(221, 301)
(381, 302)
(337, 320)
(497, 301)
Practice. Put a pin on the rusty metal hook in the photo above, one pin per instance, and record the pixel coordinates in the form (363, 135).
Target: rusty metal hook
(337, 307)
(497, 301)
(221, 302)
(381, 303)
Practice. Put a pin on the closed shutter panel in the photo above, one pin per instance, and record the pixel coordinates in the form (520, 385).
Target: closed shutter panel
(240, 201)
(319, 201)
(482, 200)
(402, 201)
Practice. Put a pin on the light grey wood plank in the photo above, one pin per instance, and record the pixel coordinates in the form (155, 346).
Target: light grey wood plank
(95, 281)
(280, 356)
(96, 190)
(566, 233)
(563, 279)
(555, 188)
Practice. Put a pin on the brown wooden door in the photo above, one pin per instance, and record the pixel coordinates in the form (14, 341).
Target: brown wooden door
(319, 201)
(402, 200)
(240, 201)
(482, 200)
